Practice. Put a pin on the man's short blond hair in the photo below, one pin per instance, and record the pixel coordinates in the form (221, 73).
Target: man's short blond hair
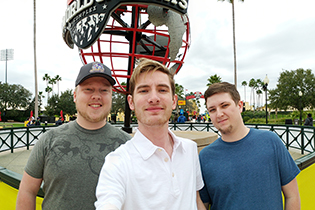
(146, 65)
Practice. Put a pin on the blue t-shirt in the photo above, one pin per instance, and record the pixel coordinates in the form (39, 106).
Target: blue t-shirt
(181, 119)
(246, 174)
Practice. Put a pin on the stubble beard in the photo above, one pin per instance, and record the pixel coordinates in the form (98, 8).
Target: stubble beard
(87, 117)
(153, 122)
(226, 131)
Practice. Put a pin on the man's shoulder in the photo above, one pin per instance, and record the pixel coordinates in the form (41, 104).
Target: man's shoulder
(118, 131)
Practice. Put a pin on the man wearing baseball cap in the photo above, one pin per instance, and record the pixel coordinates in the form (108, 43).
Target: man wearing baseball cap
(68, 159)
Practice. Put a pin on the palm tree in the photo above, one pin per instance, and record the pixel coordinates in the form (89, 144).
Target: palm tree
(244, 83)
(234, 45)
(179, 90)
(251, 84)
(46, 78)
(35, 65)
(57, 79)
(259, 92)
(214, 79)
(52, 81)
(48, 90)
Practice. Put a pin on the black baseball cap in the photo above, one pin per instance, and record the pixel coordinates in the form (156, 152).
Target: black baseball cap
(94, 69)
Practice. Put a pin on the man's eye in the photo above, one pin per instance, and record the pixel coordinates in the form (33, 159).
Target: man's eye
(163, 90)
(225, 105)
(143, 91)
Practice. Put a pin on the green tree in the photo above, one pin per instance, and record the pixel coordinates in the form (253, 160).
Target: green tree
(52, 105)
(214, 79)
(234, 44)
(179, 90)
(13, 96)
(63, 102)
(118, 103)
(66, 103)
(39, 103)
(290, 83)
(275, 102)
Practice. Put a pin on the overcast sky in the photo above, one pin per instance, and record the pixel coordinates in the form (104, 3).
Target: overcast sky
(271, 35)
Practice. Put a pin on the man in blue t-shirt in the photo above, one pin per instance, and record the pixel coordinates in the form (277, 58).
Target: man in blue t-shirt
(244, 168)
(181, 119)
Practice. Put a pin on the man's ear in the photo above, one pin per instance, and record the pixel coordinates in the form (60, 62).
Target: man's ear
(174, 101)
(74, 96)
(240, 105)
(130, 102)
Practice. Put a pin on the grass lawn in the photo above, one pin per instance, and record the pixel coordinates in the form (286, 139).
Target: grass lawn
(11, 124)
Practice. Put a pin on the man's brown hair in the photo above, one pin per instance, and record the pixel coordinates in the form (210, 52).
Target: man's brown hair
(146, 65)
(223, 87)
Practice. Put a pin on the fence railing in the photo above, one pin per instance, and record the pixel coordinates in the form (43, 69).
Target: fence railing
(13, 138)
(293, 136)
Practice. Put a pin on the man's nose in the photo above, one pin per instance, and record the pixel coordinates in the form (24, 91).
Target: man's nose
(154, 97)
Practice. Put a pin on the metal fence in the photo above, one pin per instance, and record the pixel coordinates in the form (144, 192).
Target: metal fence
(293, 136)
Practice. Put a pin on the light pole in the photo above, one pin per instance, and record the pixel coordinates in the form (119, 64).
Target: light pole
(266, 82)
(6, 55)
(300, 94)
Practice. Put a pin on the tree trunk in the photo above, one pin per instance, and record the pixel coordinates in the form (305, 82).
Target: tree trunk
(35, 65)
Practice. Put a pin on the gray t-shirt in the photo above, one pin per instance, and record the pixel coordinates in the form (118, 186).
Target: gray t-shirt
(69, 159)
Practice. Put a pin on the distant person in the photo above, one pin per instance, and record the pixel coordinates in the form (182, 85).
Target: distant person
(245, 168)
(68, 158)
(58, 122)
(32, 123)
(29, 122)
(155, 170)
(37, 123)
(309, 120)
(181, 119)
(175, 117)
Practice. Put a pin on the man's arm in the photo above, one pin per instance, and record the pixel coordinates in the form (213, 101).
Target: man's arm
(200, 205)
(26, 198)
(291, 195)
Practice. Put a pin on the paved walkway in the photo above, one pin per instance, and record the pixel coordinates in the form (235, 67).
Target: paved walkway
(16, 161)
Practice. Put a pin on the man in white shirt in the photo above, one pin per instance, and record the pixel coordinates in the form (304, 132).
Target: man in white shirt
(155, 169)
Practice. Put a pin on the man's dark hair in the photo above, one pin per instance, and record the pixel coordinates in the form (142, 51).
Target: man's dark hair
(223, 87)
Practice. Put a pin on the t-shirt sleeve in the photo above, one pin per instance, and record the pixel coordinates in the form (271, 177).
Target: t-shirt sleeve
(110, 190)
(36, 160)
(288, 168)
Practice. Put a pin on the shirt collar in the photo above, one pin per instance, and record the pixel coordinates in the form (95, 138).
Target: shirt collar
(146, 148)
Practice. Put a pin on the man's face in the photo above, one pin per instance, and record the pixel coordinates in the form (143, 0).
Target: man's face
(93, 98)
(224, 113)
(152, 99)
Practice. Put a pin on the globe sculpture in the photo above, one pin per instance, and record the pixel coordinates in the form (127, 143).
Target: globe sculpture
(119, 33)
(140, 31)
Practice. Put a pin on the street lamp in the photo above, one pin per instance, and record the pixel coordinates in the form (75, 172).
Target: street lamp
(266, 82)
(300, 94)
